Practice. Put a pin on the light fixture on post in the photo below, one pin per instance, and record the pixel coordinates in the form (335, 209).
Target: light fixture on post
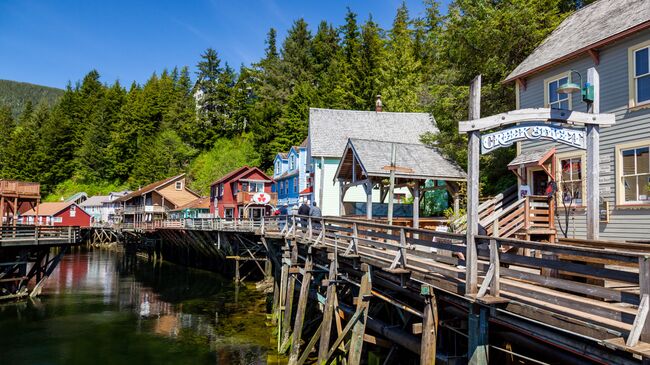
(587, 91)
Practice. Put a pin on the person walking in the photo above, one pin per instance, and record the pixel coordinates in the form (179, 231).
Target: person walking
(303, 211)
(315, 212)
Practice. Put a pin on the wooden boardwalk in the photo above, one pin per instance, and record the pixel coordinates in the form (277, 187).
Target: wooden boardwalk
(586, 297)
(29, 254)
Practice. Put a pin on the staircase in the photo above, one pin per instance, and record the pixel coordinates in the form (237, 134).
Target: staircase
(506, 216)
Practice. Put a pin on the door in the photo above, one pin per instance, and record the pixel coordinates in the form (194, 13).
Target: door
(256, 213)
(539, 183)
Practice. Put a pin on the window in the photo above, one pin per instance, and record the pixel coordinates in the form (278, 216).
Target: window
(553, 99)
(293, 162)
(228, 213)
(179, 185)
(570, 180)
(295, 184)
(54, 219)
(220, 190)
(73, 210)
(278, 164)
(633, 180)
(639, 74)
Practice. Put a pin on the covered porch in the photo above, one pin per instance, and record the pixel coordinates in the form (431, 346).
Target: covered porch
(383, 167)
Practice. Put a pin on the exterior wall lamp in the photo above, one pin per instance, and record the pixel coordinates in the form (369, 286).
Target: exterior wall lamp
(587, 91)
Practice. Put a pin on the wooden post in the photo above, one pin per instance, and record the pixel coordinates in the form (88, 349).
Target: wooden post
(322, 182)
(477, 331)
(15, 216)
(342, 190)
(288, 303)
(359, 329)
(280, 313)
(429, 327)
(368, 187)
(416, 205)
(644, 289)
(2, 210)
(593, 162)
(300, 312)
(473, 157)
(391, 187)
(328, 312)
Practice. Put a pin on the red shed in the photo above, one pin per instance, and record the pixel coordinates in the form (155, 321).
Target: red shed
(57, 214)
(235, 191)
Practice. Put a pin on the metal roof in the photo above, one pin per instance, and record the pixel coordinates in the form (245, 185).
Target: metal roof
(593, 26)
(329, 129)
(423, 162)
(96, 201)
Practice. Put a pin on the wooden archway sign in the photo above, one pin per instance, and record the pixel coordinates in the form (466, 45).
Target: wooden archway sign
(474, 126)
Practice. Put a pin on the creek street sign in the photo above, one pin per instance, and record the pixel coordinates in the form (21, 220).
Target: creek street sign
(569, 136)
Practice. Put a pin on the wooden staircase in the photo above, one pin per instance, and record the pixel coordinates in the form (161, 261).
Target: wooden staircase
(506, 216)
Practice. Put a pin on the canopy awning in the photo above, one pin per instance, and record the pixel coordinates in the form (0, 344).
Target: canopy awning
(368, 159)
(531, 158)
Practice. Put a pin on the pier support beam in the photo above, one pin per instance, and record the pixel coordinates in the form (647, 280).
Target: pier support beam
(359, 329)
(288, 303)
(328, 312)
(477, 332)
(300, 312)
(429, 327)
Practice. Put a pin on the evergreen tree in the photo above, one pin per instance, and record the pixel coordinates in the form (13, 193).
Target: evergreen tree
(372, 54)
(164, 156)
(400, 68)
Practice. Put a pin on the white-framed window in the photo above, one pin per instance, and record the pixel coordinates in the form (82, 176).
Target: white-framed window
(570, 179)
(295, 184)
(56, 220)
(278, 167)
(73, 210)
(228, 213)
(179, 185)
(633, 173)
(220, 194)
(638, 59)
(553, 99)
(292, 162)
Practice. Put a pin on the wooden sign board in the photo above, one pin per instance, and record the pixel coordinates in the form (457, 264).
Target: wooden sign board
(405, 170)
(533, 131)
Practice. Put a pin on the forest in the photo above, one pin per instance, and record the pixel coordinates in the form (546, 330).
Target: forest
(100, 136)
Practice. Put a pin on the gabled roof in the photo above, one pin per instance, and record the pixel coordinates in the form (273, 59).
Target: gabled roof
(49, 209)
(415, 161)
(329, 129)
(531, 158)
(589, 28)
(76, 196)
(200, 203)
(95, 201)
(150, 187)
(230, 175)
(304, 142)
(251, 170)
(282, 155)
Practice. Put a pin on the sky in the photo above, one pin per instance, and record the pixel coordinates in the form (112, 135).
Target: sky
(53, 42)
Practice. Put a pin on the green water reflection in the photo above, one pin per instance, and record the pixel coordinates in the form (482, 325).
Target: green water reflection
(100, 307)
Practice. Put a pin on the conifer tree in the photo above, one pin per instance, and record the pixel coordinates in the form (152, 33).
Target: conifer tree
(399, 71)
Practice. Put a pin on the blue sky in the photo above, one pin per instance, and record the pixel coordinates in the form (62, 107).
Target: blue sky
(51, 42)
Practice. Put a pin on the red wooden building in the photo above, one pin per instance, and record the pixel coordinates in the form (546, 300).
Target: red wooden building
(232, 196)
(57, 214)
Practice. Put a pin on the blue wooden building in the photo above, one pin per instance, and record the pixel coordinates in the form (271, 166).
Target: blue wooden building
(292, 179)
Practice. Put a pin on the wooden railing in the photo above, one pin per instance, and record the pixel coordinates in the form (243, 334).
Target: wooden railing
(20, 188)
(489, 209)
(38, 235)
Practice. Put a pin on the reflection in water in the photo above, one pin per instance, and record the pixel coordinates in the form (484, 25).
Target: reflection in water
(106, 308)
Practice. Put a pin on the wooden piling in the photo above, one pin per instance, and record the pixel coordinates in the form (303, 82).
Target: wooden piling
(429, 327)
(328, 312)
(300, 312)
(359, 329)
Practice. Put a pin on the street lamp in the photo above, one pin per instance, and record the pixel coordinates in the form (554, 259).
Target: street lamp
(587, 91)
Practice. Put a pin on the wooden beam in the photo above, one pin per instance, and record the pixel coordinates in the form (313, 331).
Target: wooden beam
(473, 158)
(429, 328)
(328, 312)
(359, 329)
(300, 312)
(391, 187)
(536, 115)
(593, 166)
(595, 56)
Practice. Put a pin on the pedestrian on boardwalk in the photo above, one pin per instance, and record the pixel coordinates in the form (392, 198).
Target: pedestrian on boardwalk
(315, 212)
(303, 211)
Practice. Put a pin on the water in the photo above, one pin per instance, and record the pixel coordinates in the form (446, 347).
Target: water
(101, 307)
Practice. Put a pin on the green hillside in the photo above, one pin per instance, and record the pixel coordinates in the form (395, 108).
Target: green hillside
(15, 94)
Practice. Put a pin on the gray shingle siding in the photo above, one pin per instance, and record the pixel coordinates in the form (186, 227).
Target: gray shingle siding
(625, 223)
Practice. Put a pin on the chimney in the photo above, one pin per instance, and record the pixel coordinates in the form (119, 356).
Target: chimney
(378, 105)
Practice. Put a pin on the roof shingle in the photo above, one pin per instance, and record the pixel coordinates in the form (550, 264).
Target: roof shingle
(329, 129)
